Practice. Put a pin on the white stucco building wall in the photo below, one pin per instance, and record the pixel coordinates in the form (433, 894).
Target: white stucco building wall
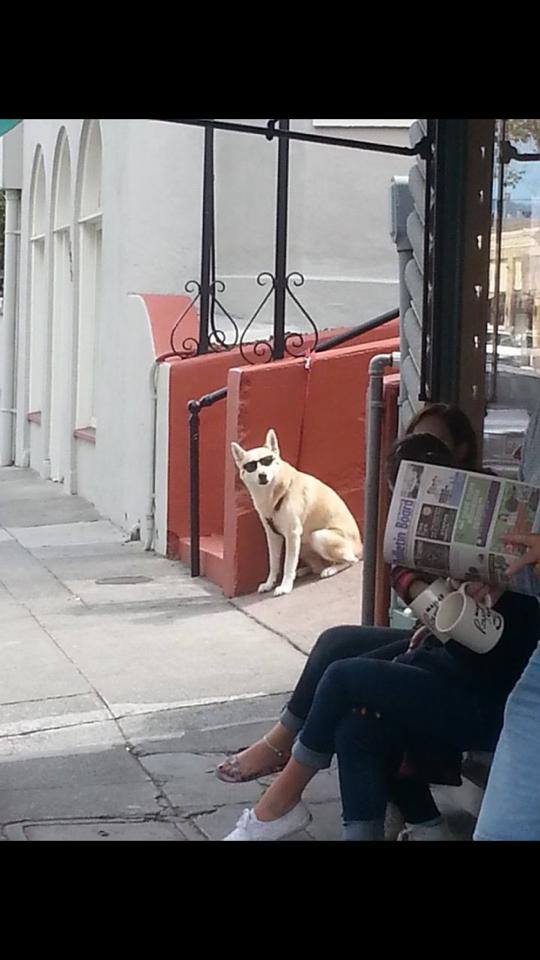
(150, 183)
(339, 221)
(112, 208)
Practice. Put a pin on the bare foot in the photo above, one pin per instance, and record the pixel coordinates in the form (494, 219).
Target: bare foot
(257, 761)
(285, 793)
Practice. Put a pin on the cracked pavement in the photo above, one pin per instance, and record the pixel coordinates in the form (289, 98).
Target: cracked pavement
(118, 699)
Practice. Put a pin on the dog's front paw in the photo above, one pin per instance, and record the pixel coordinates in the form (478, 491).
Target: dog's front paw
(283, 590)
(267, 586)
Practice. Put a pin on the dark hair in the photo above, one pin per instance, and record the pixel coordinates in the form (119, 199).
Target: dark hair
(421, 448)
(458, 426)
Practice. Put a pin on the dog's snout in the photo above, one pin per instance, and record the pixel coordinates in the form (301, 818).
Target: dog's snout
(263, 478)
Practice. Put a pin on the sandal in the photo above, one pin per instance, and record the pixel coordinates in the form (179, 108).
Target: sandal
(230, 772)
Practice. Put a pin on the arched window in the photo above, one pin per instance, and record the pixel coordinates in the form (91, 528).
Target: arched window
(62, 311)
(89, 239)
(38, 286)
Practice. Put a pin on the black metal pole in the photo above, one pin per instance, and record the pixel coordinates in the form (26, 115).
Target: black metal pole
(282, 237)
(194, 408)
(389, 148)
(355, 332)
(207, 240)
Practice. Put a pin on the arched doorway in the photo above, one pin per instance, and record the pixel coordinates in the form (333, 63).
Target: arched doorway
(62, 278)
(38, 287)
(89, 217)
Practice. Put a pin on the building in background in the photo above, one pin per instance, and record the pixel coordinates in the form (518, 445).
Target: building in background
(108, 210)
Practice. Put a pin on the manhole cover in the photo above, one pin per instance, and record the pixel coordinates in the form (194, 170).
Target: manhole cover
(123, 581)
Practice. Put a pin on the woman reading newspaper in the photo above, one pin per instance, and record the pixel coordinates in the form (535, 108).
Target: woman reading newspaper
(375, 698)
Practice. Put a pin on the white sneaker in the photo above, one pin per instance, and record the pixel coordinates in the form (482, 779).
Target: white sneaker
(249, 828)
(439, 832)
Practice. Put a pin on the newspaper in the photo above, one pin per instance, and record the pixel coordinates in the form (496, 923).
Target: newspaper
(450, 522)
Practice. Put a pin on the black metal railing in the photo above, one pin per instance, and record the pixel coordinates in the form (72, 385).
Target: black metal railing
(282, 285)
(195, 407)
(347, 335)
(272, 132)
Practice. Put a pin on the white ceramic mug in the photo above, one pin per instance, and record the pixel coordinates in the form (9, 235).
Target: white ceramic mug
(426, 606)
(472, 624)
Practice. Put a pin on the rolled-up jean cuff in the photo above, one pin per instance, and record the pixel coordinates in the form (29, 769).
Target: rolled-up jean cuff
(290, 722)
(364, 830)
(310, 758)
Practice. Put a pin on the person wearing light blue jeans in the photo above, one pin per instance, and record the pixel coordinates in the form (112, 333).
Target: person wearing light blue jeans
(511, 807)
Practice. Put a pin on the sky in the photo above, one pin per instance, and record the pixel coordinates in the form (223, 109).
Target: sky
(529, 184)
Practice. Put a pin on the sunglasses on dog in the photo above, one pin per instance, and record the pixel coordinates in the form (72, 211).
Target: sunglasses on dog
(253, 464)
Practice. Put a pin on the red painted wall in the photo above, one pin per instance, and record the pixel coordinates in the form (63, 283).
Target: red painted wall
(164, 312)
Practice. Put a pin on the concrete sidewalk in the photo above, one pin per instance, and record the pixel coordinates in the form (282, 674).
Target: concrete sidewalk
(124, 682)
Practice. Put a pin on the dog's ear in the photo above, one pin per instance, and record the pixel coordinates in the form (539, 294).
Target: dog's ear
(238, 454)
(272, 442)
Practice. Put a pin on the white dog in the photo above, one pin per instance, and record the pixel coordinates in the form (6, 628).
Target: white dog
(310, 517)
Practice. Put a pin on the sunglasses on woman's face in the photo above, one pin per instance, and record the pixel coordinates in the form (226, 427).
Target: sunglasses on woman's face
(253, 464)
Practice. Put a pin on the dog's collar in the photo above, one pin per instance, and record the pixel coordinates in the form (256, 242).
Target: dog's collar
(270, 521)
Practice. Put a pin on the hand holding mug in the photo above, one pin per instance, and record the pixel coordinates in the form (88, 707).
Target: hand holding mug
(474, 625)
(426, 604)
(482, 593)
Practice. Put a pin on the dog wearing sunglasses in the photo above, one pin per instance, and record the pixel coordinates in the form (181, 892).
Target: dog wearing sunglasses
(313, 521)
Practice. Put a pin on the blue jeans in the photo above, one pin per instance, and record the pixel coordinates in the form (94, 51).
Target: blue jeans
(511, 807)
(412, 797)
(339, 643)
(369, 712)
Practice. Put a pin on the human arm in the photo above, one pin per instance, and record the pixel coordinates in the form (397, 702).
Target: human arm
(409, 584)
(525, 569)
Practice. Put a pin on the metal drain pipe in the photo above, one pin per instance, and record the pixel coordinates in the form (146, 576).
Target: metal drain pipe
(152, 480)
(151, 508)
(375, 407)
